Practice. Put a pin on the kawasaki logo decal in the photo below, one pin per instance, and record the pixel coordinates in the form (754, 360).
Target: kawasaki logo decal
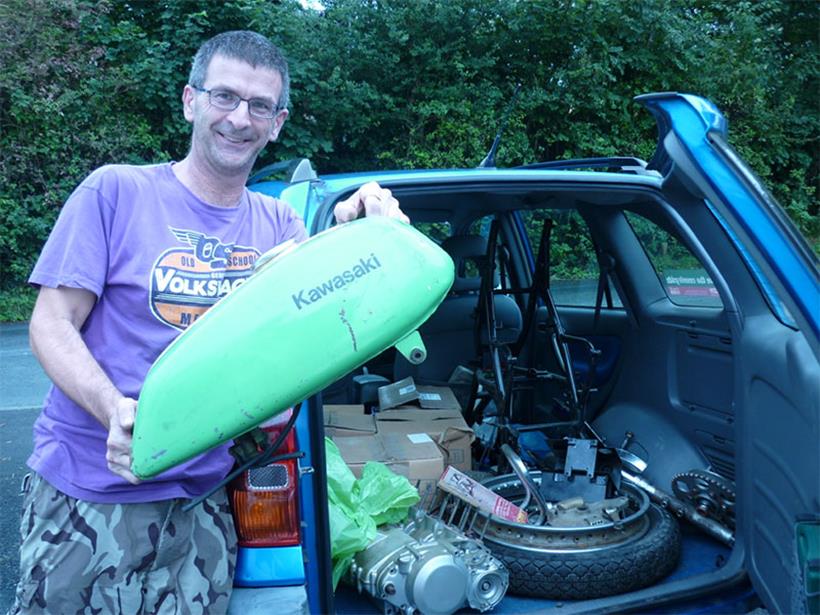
(307, 296)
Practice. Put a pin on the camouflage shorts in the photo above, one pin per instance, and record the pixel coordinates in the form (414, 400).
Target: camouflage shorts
(79, 557)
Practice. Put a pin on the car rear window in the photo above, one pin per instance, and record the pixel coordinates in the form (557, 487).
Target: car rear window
(437, 231)
(574, 269)
(683, 276)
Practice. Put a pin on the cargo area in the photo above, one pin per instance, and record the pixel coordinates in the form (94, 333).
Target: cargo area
(699, 556)
(629, 354)
(420, 442)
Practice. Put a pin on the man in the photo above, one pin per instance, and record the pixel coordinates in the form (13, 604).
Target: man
(137, 254)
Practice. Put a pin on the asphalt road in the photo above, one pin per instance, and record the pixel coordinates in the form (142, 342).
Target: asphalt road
(23, 386)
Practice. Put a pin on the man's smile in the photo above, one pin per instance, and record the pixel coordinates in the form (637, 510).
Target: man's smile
(233, 139)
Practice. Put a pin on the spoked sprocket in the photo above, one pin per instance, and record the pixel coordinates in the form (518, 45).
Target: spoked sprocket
(711, 494)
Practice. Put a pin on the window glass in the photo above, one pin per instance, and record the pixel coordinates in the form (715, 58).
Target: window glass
(683, 277)
(574, 270)
(481, 226)
(437, 231)
(780, 309)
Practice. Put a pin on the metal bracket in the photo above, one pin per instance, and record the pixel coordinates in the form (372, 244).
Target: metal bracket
(412, 348)
(581, 455)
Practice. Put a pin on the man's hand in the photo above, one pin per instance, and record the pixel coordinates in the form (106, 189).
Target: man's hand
(54, 330)
(120, 433)
(372, 200)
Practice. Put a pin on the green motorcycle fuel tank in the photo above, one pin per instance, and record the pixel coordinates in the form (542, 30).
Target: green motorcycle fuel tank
(307, 317)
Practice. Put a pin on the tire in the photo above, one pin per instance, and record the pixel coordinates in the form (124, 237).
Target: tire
(582, 575)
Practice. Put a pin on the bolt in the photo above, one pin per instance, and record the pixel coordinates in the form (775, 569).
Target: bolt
(390, 589)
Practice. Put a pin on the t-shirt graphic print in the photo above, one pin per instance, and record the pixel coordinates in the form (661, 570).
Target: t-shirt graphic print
(188, 279)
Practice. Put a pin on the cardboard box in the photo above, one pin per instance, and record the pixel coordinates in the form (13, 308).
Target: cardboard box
(343, 421)
(405, 393)
(416, 458)
(445, 427)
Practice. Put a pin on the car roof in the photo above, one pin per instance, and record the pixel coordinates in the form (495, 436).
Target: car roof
(337, 183)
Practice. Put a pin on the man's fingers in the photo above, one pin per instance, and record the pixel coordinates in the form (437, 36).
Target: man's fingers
(396, 212)
(375, 205)
(125, 473)
(347, 210)
(118, 453)
(119, 462)
(372, 200)
(126, 414)
(383, 203)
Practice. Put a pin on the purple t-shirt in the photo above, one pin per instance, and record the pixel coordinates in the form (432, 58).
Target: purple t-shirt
(157, 257)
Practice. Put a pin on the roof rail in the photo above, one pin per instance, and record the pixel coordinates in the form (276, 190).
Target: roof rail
(627, 164)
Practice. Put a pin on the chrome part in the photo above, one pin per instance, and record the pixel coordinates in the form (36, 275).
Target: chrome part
(628, 435)
(575, 525)
(428, 566)
(711, 494)
(273, 477)
(681, 509)
(532, 491)
(575, 512)
(631, 460)
(291, 599)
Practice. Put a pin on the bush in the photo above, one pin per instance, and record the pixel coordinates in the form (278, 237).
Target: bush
(420, 83)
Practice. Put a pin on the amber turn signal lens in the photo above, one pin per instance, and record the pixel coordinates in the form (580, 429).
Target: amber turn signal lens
(265, 517)
(265, 500)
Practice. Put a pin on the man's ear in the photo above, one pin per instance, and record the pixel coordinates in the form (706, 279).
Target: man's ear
(276, 124)
(188, 94)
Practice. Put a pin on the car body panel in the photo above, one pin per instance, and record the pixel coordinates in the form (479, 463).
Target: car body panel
(292, 600)
(757, 381)
(269, 578)
(270, 567)
(697, 124)
(779, 425)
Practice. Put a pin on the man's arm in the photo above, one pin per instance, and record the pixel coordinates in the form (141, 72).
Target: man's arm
(54, 332)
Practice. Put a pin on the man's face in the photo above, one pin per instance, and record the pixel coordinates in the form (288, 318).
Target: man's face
(228, 142)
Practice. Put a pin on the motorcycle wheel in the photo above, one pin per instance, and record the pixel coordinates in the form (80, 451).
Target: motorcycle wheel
(585, 563)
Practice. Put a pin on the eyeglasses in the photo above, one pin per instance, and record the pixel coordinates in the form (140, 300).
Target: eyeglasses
(228, 101)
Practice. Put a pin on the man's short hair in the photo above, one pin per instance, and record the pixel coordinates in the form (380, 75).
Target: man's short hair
(246, 46)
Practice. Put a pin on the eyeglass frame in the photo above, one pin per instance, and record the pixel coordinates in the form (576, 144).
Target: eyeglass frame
(276, 108)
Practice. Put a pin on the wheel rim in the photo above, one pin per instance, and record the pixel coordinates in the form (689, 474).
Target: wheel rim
(546, 539)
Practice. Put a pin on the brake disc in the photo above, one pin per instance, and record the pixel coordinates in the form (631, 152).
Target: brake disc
(711, 494)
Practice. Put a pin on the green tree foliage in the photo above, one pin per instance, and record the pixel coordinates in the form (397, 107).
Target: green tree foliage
(401, 83)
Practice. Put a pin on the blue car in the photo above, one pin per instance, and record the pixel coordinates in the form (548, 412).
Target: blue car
(668, 311)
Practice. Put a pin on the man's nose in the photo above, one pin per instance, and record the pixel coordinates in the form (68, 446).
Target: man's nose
(241, 116)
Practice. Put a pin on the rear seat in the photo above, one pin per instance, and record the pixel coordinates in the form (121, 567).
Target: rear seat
(450, 333)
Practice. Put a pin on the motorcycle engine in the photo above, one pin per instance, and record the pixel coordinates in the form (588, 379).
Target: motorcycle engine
(428, 567)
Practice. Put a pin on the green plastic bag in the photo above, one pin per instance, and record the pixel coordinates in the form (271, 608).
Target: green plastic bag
(358, 506)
